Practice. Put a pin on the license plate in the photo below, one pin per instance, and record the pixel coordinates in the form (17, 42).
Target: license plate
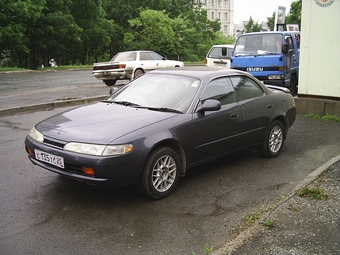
(49, 158)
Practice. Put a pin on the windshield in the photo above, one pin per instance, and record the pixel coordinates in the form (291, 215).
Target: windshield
(258, 44)
(158, 91)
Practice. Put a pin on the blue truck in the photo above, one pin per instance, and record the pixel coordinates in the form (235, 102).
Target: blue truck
(272, 57)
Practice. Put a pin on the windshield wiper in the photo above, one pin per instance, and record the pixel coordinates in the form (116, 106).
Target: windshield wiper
(163, 109)
(126, 103)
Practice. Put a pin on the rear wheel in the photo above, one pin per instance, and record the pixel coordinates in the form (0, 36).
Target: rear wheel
(110, 82)
(137, 73)
(161, 173)
(273, 142)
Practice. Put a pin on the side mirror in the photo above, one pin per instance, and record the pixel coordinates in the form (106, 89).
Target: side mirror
(285, 48)
(209, 105)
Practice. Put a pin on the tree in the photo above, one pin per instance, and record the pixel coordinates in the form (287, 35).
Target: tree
(91, 17)
(152, 30)
(252, 26)
(16, 18)
(203, 33)
(271, 22)
(294, 16)
(57, 35)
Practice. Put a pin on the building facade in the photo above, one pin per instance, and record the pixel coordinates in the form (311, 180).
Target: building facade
(222, 10)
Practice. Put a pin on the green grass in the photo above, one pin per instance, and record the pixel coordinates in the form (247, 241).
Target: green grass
(6, 69)
(67, 67)
(251, 218)
(269, 223)
(201, 63)
(316, 193)
(328, 117)
(207, 250)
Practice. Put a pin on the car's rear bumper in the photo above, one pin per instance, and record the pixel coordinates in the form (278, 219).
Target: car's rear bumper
(112, 74)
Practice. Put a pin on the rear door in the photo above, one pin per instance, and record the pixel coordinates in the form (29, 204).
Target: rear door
(147, 62)
(256, 109)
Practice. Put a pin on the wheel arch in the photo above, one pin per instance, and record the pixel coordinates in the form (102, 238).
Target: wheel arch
(283, 120)
(134, 70)
(177, 147)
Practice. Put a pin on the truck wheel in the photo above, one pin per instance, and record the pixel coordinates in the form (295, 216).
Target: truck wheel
(110, 82)
(292, 85)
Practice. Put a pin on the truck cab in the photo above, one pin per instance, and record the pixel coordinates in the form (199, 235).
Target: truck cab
(272, 57)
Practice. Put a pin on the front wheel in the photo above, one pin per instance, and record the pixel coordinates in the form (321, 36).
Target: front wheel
(273, 142)
(161, 173)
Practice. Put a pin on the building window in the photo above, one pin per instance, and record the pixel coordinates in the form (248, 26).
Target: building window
(219, 2)
(219, 15)
(212, 2)
(225, 28)
(225, 2)
(225, 15)
(212, 15)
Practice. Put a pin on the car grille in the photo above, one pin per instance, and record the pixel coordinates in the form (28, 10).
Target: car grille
(73, 168)
(54, 143)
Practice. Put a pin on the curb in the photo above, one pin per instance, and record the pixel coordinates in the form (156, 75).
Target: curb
(48, 106)
(232, 246)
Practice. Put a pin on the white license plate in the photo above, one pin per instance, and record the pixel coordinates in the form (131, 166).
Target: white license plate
(49, 158)
(220, 64)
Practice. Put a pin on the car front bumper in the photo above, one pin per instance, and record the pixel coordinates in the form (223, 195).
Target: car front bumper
(115, 170)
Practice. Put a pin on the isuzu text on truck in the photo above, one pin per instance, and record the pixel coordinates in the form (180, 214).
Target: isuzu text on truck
(272, 57)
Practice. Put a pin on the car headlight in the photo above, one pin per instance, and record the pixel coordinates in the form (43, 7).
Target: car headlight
(98, 149)
(36, 135)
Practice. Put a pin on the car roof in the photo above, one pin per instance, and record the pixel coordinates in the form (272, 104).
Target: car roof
(198, 71)
(136, 51)
(223, 45)
(272, 32)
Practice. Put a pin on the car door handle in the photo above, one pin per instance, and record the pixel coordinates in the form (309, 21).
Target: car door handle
(234, 115)
(269, 106)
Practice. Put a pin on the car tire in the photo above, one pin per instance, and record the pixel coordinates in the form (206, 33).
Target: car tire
(274, 139)
(137, 73)
(110, 82)
(161, 173)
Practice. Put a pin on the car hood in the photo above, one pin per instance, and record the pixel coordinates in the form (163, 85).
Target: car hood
(99, 123)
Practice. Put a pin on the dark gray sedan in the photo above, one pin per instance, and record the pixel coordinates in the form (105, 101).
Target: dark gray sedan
(150, 131)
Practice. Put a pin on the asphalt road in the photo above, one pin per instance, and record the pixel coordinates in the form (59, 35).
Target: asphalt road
(43, 213)
(39, 87)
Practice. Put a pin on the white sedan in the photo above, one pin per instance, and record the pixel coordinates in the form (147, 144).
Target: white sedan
(131, 64)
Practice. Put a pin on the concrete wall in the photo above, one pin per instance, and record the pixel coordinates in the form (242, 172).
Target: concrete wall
(316, 106)
(320, 49)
